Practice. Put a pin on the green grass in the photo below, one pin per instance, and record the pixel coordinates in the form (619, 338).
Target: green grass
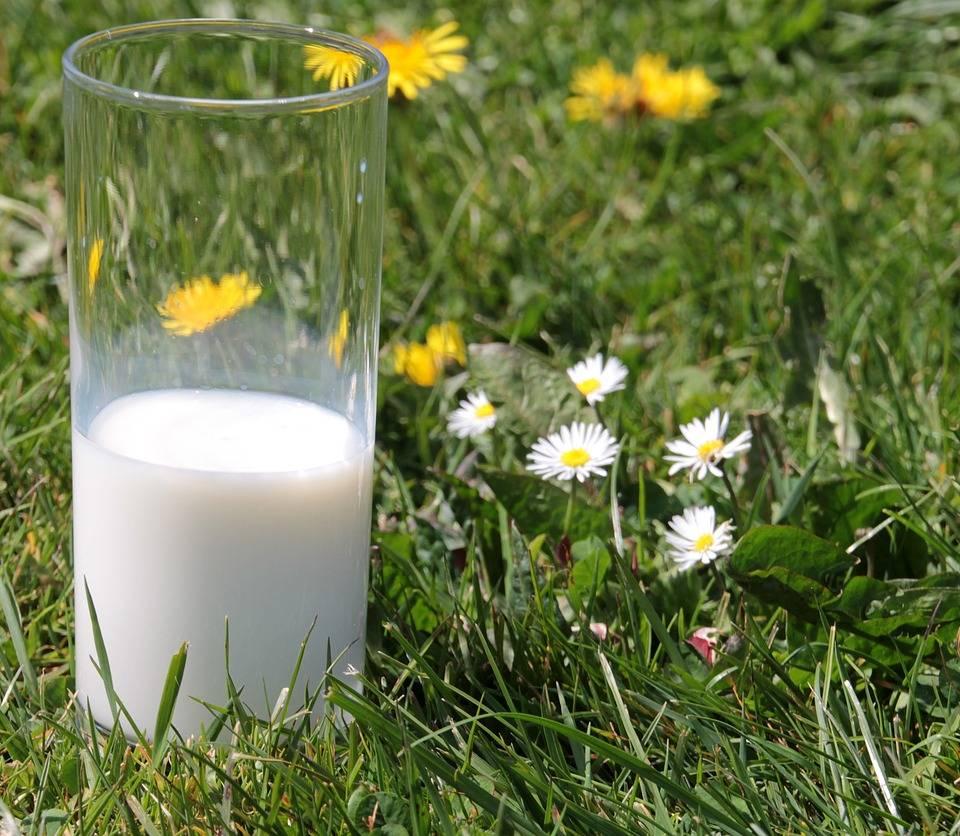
(812, 219)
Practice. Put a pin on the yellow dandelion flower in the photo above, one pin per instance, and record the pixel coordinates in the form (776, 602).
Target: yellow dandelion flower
(426, 56)
(400, 352)
(201, 303)
(648, 70)
(420, 363)
(598, 93)
(446, 341)
(337, 341)
(337, 65)
(93, 263)
(700, 90)
(684, 94)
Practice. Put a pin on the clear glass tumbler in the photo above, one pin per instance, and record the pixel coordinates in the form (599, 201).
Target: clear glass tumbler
(225, 199)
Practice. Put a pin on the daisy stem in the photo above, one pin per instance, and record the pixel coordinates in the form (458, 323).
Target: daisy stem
(494, 449)
(423, 438)
(718, 575)
(568, 518)
(458, 455)
(734, 505)
(597, 410)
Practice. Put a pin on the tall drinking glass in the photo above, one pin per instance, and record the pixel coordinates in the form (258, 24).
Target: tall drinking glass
(225, 202)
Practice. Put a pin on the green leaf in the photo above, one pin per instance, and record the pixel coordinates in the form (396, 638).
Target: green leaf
(354, 804)
(537, 507)
(926, 604)
(398, 543)
(797, 551)
(794, 592)
(393, 809)
(858, 594)
(402, 582)
(844, 507)
(787, 567)
(591, 562)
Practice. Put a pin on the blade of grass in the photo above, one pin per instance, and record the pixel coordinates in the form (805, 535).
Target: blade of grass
(103, 662)
(872, 752)
(11, 614)
(168, 701)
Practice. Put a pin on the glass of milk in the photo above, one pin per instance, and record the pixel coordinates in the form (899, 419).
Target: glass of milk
(225, 203)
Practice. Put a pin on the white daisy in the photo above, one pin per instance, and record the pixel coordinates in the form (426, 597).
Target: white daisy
(595, 379)
(578, 450)
(696, 537)
(475, 416)
(702, 446)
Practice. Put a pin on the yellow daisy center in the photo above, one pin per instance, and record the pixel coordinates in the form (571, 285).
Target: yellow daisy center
(591, 384)
(484, 411)
(703, 542)
(706, 450)
(577, 457)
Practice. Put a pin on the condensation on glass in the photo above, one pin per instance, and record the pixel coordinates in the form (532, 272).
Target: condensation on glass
(225, 220)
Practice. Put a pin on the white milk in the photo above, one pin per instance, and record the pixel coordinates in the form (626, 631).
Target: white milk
(191, 507)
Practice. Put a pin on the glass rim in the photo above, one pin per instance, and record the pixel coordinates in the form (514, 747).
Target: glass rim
(308, 35)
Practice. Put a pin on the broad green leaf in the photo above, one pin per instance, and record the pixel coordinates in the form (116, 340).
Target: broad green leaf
(355, 802)
(845, 509)
(903, 624)
(787, 567)
(403, 583)
(537, 507)
(591, 562)
(847, 506)
(858, 594)
(794, 592)
(945, 580)
(397, 543)
(930, 603)
(797, 551)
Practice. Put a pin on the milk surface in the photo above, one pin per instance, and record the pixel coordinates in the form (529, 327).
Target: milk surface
(192, 507)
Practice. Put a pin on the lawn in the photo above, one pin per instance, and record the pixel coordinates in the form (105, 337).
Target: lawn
(792, 257)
